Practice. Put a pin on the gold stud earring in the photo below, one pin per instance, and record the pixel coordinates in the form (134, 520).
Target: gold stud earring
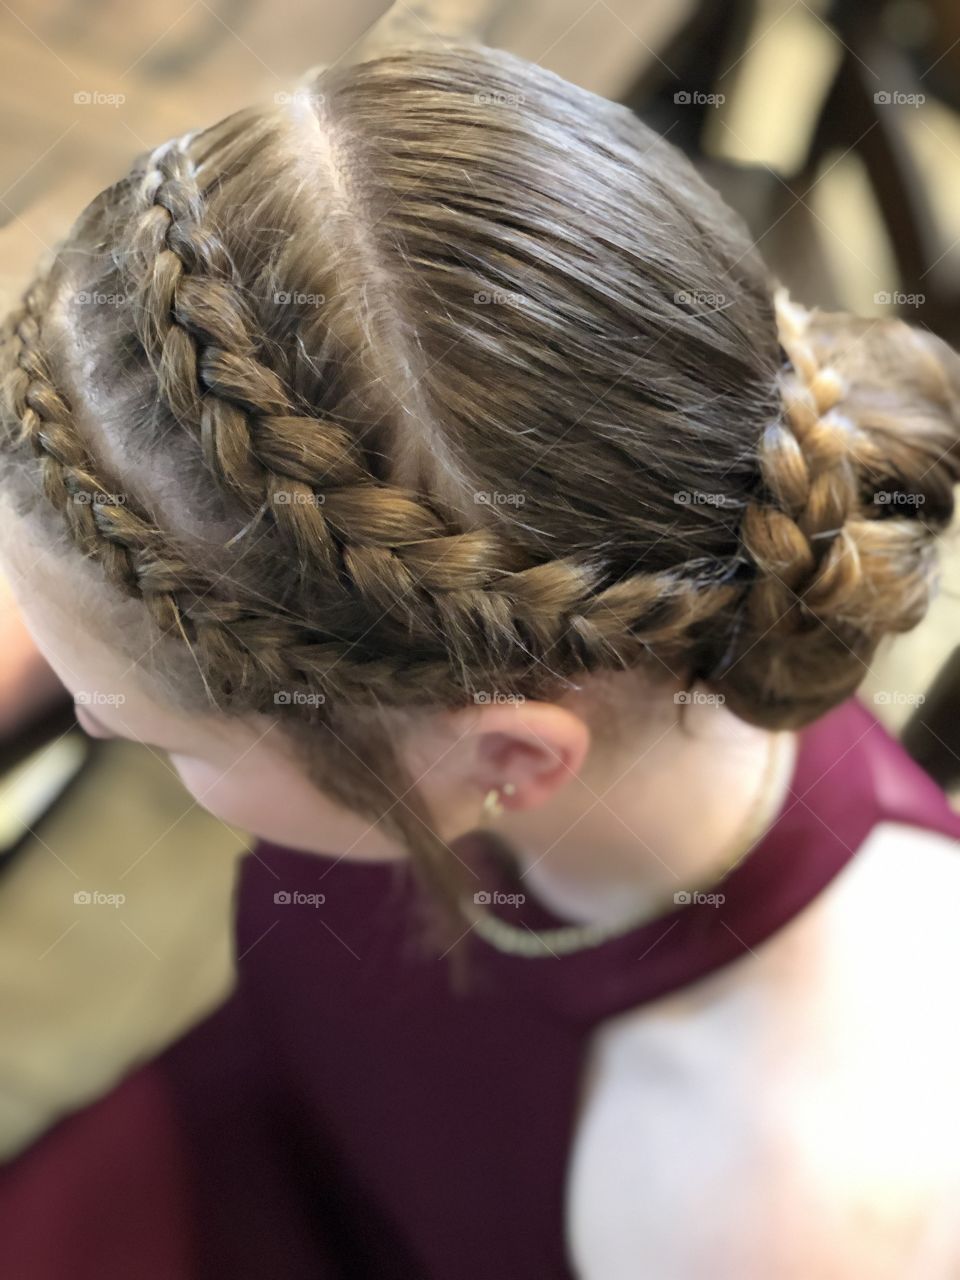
(492, 808)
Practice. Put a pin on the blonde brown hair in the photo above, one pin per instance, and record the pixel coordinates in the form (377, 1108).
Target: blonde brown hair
(445, 378)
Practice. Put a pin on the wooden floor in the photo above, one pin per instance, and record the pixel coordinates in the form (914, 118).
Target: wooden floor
(88, 85)
(84, 88)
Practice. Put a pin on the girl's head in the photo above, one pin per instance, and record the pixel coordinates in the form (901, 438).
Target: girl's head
(442, 417)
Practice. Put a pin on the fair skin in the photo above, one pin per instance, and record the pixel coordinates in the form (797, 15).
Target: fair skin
(793, 1115)
(595, 823)
(27, 685)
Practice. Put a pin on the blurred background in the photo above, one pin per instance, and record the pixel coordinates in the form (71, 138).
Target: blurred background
(834, 128)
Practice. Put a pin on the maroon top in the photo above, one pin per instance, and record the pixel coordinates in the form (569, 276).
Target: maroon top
(348, 1113)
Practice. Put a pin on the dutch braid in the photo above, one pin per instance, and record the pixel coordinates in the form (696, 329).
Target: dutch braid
(199, 336)
(806, 548)
(553, 612)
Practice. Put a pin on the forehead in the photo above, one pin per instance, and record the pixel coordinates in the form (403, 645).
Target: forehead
(94, 639)
(56, 593)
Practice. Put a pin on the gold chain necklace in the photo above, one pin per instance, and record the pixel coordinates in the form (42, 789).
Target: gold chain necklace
(567, 939)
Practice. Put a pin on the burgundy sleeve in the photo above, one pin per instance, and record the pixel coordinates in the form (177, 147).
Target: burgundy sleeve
(187, 1170)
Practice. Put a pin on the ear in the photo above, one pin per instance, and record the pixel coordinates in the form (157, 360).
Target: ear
(535, 747)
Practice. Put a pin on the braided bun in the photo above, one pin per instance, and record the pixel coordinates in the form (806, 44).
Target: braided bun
(860, 470)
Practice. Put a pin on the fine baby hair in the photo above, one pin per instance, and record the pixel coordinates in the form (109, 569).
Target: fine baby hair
(443, 376)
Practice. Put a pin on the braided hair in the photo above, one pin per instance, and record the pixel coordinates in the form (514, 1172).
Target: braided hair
(467, 382)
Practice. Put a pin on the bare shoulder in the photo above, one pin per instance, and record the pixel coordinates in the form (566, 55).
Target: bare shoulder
(800, 1105)
(910, 861)
(862, 996)
(882, 940)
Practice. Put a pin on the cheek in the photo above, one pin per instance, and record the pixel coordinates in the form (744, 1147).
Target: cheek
(209, 786)
(277, 805)
(236, 796)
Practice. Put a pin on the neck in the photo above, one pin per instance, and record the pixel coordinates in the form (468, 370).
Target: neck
(680, 808)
